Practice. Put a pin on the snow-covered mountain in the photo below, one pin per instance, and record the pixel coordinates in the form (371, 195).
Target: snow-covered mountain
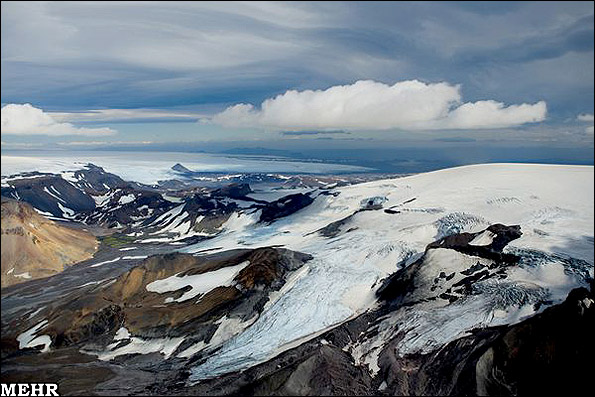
(391, 272)
(371, 244)
(66, 194)
(91, 195)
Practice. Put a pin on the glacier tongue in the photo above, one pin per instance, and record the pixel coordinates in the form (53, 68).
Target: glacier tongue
(337, 286)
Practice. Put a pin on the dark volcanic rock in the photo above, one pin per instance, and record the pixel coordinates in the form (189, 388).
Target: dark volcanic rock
(146, 205)
(398, 287)
(373, 203)
(551, 353)
(262, 270)
(50, 192)
(199, 203)
(548, 354)
(334, 228)
(43, 192)
(94, 179)
(325, 370)
(213, 210)
(234, 190)
(285, 206)
(503, 236)
(181, 169)
(98, 323)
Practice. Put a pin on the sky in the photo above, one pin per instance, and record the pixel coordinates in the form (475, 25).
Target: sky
(298, 76)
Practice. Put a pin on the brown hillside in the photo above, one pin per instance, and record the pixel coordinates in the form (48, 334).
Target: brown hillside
(35, 247)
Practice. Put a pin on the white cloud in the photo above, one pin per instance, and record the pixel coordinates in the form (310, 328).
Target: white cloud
(492, 114)
(22, 145)
(115, 115)
(25, 119)
(586, 117)
(104, 143)
(370, 105)
(191, 35)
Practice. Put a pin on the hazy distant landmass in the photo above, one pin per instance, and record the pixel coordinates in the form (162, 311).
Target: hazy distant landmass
(407, 159)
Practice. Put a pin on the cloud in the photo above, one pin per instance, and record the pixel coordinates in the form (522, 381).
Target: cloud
(314, 132)
(25, 119)
(22, 145)
(492, 114)
(107, 143)
(588, 118)
(213, 37)
(94, 55)
(585, 117)
(123, 115)
(370, 105)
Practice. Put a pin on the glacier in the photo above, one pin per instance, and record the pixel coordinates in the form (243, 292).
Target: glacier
(345, 273)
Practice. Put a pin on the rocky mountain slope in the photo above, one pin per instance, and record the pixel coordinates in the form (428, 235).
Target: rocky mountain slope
(549, 353)
(34, 247)
(175, 306)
